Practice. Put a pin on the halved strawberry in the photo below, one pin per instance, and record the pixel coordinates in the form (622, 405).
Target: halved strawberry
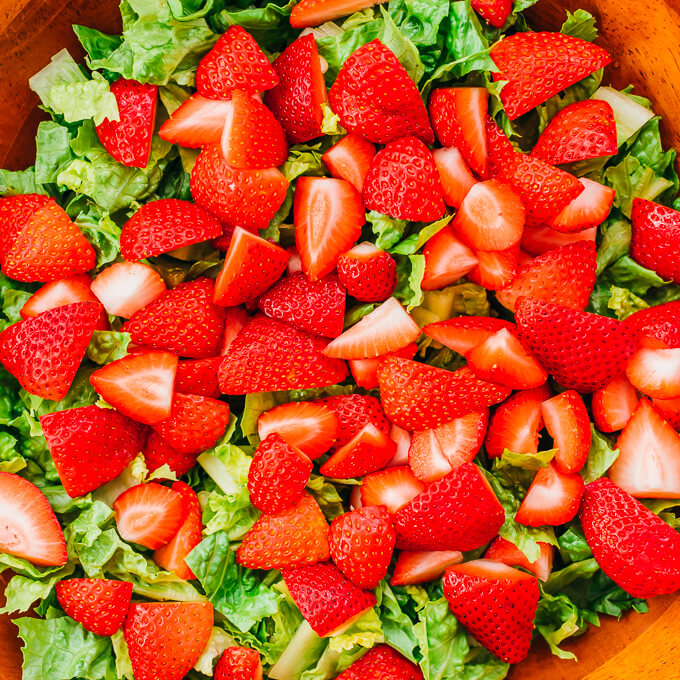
(382, 661)
(589, 209)
(495, 270)
(368, 451)
(454, 175)
(655, 372)
(422, 566)
(199, 121)
(539, 240)
(238, 663)
(655, 238)
(198, 376)
(394, 488)
(314, 12)
(552, 499)
(496, 12)
(368, 273)
(567, 421)
(365, 371)
(502, 550)
(157, 452)
(447, 258)
(657, 327)
(15, 213)
(613, 404)
(463, 333)
(237, 318)
(350, 158)
(30, 529)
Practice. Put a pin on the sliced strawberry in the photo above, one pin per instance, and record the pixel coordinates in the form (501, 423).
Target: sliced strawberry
(237, 318)
(447, 259)
(198, 122)
(454, 175)
(657, 327)
(238, 663)
(656, 372)
(495, 270)
(314, 12)
(350, 158)
(368, 273)
(567, 421)
(157, 452)
(463, 333)
(539, 240)
(670, 410)
(589, 209)
(353, 411)
(365, 371)
(508, 553)
(382, 662)
(15, 214)
(30, 529)
(496, 12)
(402, 438)
(394, 488)
(422, 566)
(655, 238)
(613, 404)
(198, 376)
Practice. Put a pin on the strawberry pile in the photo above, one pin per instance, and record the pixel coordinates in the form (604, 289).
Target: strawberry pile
(390, 438)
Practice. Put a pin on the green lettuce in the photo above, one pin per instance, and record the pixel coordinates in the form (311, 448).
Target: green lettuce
(102, 233)
(387, 230)
(13, 182)
(53, 151)
(107, 346)
(600, 457)
(410, 271)
(415, 241)
(580, 24)
(397, 626)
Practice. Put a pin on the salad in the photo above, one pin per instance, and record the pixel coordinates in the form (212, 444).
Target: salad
(338, 341)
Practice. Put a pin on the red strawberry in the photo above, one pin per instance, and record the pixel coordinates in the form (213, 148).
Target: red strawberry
(238, 663)
(199, 121)
(655, 238)
(328, 216)
(350, 159)
(589, 209)
(394, 488)
(582, 351)
(198, 376)
(165, 639)
(15, 213)
(125, 287)
(481, 593)
(315, 12)
(314, 306)
(421, 566)
(458, 117)
(495, 270)
(296, 536)
(496, 12)
(418, 397)
(457, 512)
(447, 259)
(539, 240)
(328, 601)
(567, 421)
(239, 198)
(365, 371)
(44, 352)
(269, 355)
(657, 327)
(31, 530)
(98, 605)
(454, 175)
(464, 333)
(157, 452)
(237, 318)
(353, 411)
(140, 386)
(403, 182)
(296, 100)
(539, 65)
(368, 274)
(361, 544)
(552, 499)
(235, 62)
(183, 321)
(613, 404)
(656, 372)
(376, 98)
(508, 553)
(670, 410)
(382, 663)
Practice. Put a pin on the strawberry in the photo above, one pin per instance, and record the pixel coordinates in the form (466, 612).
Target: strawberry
(657, 327)
(382, 662)
(613, 404)
(394, 488)
(165, 639)
(277, 475)
(166, 225)
(365, 371)
(589, 209)
(296, 100)
(358, 535)
(580, 131)
(656, 372)
(634, 547)
(195, 423)
(434, 453)
(457, 512)
(235, 62)
(422, 566)
(328, 216)
(199, 376)
(15, 213)
(140, 386)
(656, 233)
(251, 266)
(496, 12)
(237, 318)
(31, 530)
(128, 139)
(464, 333)
(481, 593)
(126, 287)
(350, 159)
(669, 410)
(353, 411)
(183, 321)
(238, 198)
(447, 259)
(294, 537)
(44, 352)
(375, 97)
(454, 175)
(311, 427)
(368, 274)
(269, 355)
(567, 421)
(495, 270)
(516, 423)
(539, 65)
(582, 351)
(157, 452)
(314, 306)
(326, 599)
(458, 117)
(539, 240)
(238, 663)
(97, 604)
(565, 276)
(552, 499)
(315, 12)
(508, 553)
(403, 182)
(418, 397)
(198, 122)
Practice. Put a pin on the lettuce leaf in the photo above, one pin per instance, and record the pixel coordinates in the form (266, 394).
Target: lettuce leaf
(387, 230)
(102, 233)
(415, 241)
(410, 271)
(397, 626)
(107, 346)
(53, 151)
(580, 24)
(13, 182)
(558, 618)
(419, 20)
(600, 457)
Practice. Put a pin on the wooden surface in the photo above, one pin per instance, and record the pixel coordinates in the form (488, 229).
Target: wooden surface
(644, 38)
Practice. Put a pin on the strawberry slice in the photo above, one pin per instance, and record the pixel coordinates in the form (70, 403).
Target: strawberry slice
(353, 411)
(15, 213)
(463, 333)
(235, 62)
(552, 499)
(328, 215)
(613, 404)
(502, 550)
(198, 376)
(657, 327)
(495, 270)
(198, 122)
(539, 240)
(350, 159)
(157, 452)
(140, 386)
(656, 372)
(237, 318)
(655, 238)
(539, 65)
(567, 421)
(670, 410)
(422, 566)
(394, 488)
(315, 12)
(365, 371)
(447, 259)
(297, 98)
(496, 12)
(368, 273)
(382, 661)
(368, 451)
(589, 209)
(454, 175)
(481, 592)
(238, 663)
(30, 529)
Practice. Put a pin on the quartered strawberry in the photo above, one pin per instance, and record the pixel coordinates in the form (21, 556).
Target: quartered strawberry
(328, 215)
(382, 662)
(184, 321)
(403, 182)
(567, 421)
(589, 209)
(198, 376)
(368, 451)
(294, 537)
(669, 410)
(140, 386)
(496, 12)
(578, 132)
(316, 12)
(655, 238)
(655, 372)
(539, 65)
(454, 175)
(157, 452)
(199, 121)
(463, 333)
(481, 593)
(375, 97)
(314, 306)
(237, 318)
(235, 62)
(613, 404)
(368, 273)
(269, 355)
(327, 600)
(353, 411)
(422, 566)
(165, 639)
(502, 550)
(44, 352)
(239, 198)
(238, 663)
(297, 98)
(657, 327)
(31, 530)
(350, 159)
(418, 397)
(495, 270)
(582, 351)
(539, 240)
(365, 371)
(15, 214)
(552, 499)
(634, 547)
(394, 488)
(447, 259)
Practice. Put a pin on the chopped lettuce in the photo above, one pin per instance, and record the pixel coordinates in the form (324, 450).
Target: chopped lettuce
(600, 457)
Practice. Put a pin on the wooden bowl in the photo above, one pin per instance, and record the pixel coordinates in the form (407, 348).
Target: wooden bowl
(644, 42)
